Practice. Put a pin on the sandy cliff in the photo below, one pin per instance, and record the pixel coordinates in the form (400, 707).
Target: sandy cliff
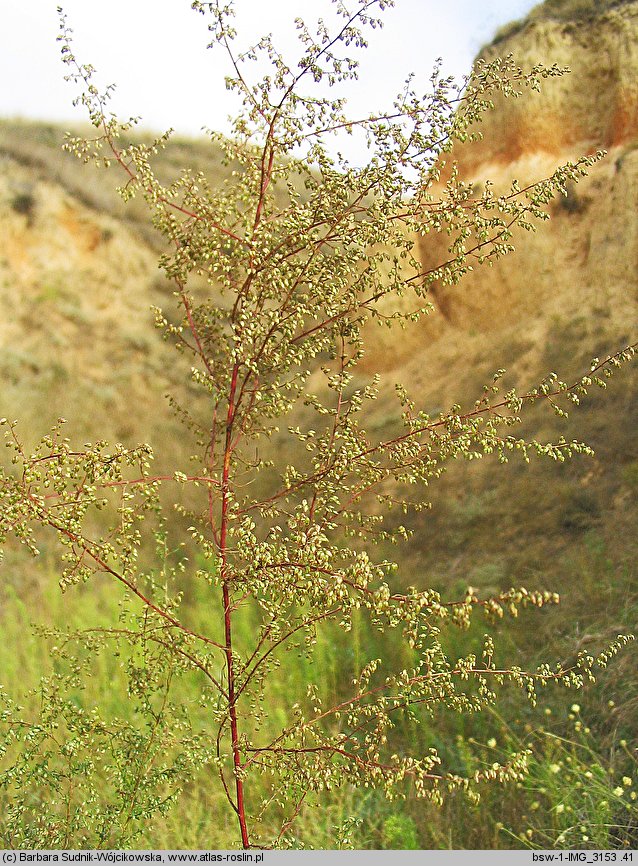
(577, 273)
(596, 106)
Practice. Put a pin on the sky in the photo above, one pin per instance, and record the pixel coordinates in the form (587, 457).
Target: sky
(155, 52)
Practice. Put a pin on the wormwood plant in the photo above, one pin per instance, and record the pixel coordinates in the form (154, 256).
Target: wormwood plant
(302, 252)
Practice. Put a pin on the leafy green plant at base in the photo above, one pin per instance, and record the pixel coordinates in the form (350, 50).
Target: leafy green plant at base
(287, 549)
(399, 832)
(73, 775)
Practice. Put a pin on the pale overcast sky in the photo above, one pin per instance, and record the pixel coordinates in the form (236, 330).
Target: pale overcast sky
(155, 51)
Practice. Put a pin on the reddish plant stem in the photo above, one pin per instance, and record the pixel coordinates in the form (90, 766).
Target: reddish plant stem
(286, 826)
(226, 578)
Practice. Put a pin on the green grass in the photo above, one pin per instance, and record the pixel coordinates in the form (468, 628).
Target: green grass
(199, 818)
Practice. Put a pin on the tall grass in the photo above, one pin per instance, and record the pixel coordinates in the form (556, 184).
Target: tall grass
(577, 791)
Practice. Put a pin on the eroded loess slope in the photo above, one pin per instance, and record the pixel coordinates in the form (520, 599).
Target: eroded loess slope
(581, 265)
(76, 334)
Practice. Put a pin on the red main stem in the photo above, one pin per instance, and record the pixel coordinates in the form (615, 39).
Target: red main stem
(226, 577)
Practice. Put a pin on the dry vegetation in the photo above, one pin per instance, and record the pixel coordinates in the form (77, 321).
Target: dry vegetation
(78, 276)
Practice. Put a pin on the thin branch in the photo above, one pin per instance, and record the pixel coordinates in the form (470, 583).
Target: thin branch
(85, 546)
(303, 625)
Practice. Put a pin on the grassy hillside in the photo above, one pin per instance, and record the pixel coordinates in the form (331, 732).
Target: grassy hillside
(39, 148)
